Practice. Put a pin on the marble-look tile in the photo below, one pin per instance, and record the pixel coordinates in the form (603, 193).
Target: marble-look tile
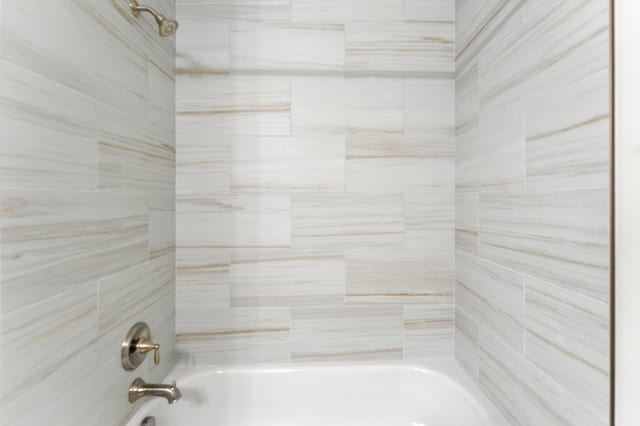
(479, 22)
(467, 101)
(214, 336)
(493, 297)
(346, 333)
(54, 241)
(430, 10)
(559, 236)
(286, 278)
(203, 42)
(133, 156)
(162, 224)
(568, 137)
(289, 47)
(347, 10)
(397, 164)
(287, 164)
(558, 45)
(428, 331)
(466, 343)
(103, 66)
(202, 157)
(492, 156)
(568, 338)
(524, 394)
(336, 105)
(418, 47)
(161, 105)
(46, 347)
(245, 105)
(335, 221)
(229, 10)
(202, 278)
(202, 266)
(429, 223)
(221, 221)
(142, 293)
(430, 108)
(398, 277)
(48, 133)
(467, 222)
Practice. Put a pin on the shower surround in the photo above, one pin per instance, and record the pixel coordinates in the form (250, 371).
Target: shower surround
(87, 181)
(532, 206)
(315, 180)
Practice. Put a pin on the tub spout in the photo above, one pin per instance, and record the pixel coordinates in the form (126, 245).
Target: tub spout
(139, 388)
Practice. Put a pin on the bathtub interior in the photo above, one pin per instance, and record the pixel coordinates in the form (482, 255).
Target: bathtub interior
(436, 393)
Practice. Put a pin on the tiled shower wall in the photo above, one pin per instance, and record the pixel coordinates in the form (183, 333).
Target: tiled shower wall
(532, 206)
(87, 181)
(315, 180)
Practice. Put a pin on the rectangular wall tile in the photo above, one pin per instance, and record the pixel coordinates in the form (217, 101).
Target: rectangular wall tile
(103, 66)
(162, 99)
(282, 278)
(568, 338)
(54, 241)
(48, 133)
(162, 224)
(397, 277)
(346, 10)
(202, 157)
(245, 105)
(467, 205)
(396, 164)
(203, 42)
(428, 331)
(234, 221)
(332, 105)
(492, 156)
(346, 333)
(493, 297)
(202, 278)
(560, 236)
(568, 137)
(430, 107)
(466, 342)
(347, 221)
(133, 156)
(287, 164)
(228, 10)
(556, 46)
(430, 10)
(408, 47)
(214, 336)
(39, 346)
(429, 223)
(278, 46)
(524, 394)
(467, 100)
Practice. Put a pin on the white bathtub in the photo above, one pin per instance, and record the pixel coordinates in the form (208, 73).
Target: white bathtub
(435, 394)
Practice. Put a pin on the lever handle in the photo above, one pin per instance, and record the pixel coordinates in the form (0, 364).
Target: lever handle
(145, 345)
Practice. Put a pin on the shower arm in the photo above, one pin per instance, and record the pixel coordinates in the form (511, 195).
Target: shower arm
(136, 9)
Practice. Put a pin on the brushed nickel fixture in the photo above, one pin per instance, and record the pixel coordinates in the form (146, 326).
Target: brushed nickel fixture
(136, 345)
(166, 27)
(139, 389)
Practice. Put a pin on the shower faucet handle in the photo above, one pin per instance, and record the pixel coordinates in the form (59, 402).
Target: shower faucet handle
(136, 345)
(146, 345)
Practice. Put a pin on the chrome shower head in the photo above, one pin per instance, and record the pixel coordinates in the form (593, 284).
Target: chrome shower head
(166, 27)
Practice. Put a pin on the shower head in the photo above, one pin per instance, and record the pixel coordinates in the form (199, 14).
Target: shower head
(166, 27)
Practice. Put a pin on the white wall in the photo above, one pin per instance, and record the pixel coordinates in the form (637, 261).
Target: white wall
(627, 80)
